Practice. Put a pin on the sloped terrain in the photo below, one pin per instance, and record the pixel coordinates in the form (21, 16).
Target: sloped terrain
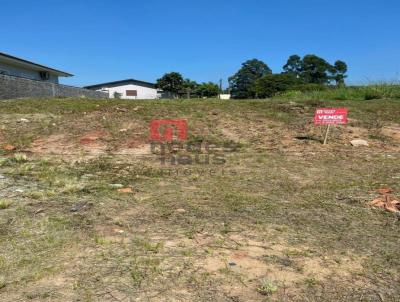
(89, 213)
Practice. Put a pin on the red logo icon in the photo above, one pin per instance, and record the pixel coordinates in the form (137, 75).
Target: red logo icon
(167, 130)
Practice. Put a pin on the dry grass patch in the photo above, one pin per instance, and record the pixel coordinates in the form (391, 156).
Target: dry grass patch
(284, 219)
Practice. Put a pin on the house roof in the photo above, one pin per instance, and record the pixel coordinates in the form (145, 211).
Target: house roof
(6, 58)
(122, 82)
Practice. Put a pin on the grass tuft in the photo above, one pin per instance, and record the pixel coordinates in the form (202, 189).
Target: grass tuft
(5, 204)
(267, 287)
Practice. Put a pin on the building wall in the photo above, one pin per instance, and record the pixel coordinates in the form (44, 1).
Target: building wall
(16, 87)
(17, 71)
(224, 96)
(143, 93)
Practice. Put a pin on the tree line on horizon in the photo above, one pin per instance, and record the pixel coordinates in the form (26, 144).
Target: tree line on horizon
(175, 84)
(256, 80)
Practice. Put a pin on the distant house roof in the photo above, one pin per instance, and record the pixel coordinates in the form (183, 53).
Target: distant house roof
(30, 65)
(122, 82)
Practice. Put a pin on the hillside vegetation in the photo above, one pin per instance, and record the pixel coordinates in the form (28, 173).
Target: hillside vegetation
(89, 213)
(358, 93)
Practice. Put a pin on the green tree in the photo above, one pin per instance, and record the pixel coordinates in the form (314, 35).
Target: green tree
(189, 84)
(315, 70)
(293, 65)
(242, 82)
(339, 72)
(171, 82)
(208, 89)
(189, 87)
(271, 84)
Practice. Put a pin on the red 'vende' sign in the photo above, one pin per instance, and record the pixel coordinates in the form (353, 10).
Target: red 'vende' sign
(326, 116)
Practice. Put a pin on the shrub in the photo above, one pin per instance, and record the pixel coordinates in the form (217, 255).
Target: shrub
(271, 84)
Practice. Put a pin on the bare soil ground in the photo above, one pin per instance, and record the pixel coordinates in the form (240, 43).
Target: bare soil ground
(89, 213)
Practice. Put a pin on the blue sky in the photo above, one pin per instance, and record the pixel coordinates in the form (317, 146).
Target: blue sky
(205, 40)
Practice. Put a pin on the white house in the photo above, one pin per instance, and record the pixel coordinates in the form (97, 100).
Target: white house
(17, 67)
(128, 89)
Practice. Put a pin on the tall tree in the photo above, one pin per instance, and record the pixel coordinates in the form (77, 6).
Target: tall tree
(293, 65)
(315, 70)
(339, 72)
(171, 82)
(242, 82)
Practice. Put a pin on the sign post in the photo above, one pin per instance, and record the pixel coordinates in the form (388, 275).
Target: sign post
(326, 134)
(330, 116)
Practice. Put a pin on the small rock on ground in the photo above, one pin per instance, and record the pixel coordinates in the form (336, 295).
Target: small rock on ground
(80, 206)
(359, 142)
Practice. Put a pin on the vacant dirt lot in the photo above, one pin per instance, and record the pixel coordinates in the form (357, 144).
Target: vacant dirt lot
(89, 213)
